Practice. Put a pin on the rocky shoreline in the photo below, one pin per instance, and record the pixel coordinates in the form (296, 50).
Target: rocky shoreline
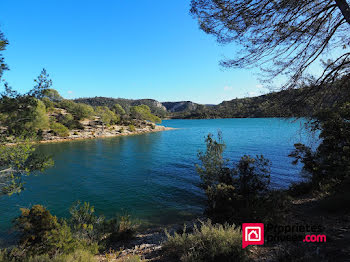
(95, 133)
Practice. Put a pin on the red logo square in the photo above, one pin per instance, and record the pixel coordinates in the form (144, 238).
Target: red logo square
(253, 234)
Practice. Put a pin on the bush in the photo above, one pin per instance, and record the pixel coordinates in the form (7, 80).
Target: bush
(132, 128)
(207, 243)
(59, 129)
(81, 111)
(331, 160)
(122, 228)
(77, 256)
(85, 224)
(41, 233)
(233, 194)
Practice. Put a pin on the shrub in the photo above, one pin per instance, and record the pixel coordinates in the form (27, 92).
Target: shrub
(331, 160)
(81, 111)
(130, 258)
(41, 233)
(76, 256)
(233, 194)
(59, 129)
(85, 224)
(207, 243)
(132, 128)
(122, 228)
(143, 112)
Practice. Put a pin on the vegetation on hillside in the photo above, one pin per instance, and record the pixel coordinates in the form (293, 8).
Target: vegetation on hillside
(305, 101)
(126, 104)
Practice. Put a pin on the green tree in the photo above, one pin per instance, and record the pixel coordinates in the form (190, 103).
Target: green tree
(59, 129)
(52, 94)
(67, 104)
(143, 112)
(81, 111)
(43, 84)
(106, 116)
(85, 224)
(19, 111)
(330, 162)
(18, 161)
(3, 44)
(233, 194)
(282, 37)
(41, 233)
(118, 109)
(41, 119)
(48, 103)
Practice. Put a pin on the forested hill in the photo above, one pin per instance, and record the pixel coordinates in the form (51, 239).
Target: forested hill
(287, 103)
(156, 107)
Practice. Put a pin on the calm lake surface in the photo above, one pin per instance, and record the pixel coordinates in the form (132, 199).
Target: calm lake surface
(151, 176)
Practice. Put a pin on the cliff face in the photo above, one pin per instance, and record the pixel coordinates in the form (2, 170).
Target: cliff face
(180, 106)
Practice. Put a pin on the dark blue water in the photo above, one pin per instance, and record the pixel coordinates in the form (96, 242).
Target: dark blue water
(151, 176)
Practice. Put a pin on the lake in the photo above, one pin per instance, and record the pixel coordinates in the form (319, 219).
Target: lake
(151, 176)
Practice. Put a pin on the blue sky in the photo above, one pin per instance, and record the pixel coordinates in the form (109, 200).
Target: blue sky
(119, 48)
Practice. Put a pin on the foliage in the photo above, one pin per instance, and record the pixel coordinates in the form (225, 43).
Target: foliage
(305, 101)
(78, 110)
(3, 44)
(84, 222)
(207, 243)
(40, 120)
(48, 103)
(67, 120)
(121, 228)
(67, 104)
(118, 109)
(43, 84)
(212, 161)
(59, 129)
(52, 95)
(233, 194)
(107, 116)
(41, 232)
(132, 128)
(42, 235)
(282, 37)
(331, 160)
(130, 258)
(76, 256)
(143, 112)
(156, 108)
(82, 111)
(18, 111)
(17, 161)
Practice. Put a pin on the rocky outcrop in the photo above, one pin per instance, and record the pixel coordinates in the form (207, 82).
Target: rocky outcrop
(180, 106)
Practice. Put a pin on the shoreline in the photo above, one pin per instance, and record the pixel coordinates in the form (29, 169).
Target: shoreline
(126, 133)
(105, 135)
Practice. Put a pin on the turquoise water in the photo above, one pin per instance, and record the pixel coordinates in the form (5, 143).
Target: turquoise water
(151, 176)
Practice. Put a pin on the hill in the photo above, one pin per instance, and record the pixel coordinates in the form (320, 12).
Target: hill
(300, 102)
(156, 107)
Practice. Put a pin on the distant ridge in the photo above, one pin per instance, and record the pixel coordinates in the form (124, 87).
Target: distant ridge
(287, 103)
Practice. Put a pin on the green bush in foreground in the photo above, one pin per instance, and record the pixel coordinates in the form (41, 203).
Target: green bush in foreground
(77, 256)
(207, 243)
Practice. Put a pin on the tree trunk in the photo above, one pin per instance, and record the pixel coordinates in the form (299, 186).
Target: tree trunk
(344, 9)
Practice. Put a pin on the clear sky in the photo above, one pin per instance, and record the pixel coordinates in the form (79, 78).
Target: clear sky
(119, 48)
